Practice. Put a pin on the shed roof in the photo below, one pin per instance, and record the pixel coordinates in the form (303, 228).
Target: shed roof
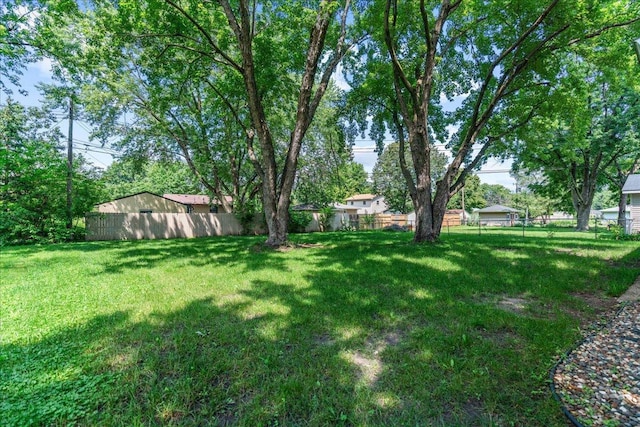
(615, 209)
(137, 194)
(193, 199)
(632, 185)
(496, 209)
(189, 199)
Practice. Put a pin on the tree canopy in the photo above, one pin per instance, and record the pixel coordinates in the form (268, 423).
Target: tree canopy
(241, 90)
(468, 75)
(33, 175)
(589, 127)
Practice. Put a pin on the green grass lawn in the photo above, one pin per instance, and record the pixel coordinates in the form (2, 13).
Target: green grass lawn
(351, 329)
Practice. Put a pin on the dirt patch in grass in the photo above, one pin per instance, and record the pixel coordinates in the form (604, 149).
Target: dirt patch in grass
(502, 337)
(288, 247)
(600, 304)
(516, 305)
(472, 412)
(369, 361)
(324, 340)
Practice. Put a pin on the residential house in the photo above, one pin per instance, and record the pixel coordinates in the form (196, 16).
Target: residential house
(632, 188)
(364, 204)
(497, 215)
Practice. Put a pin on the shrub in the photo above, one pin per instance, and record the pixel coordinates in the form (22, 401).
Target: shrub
(298, 221)
(326, 215)
(368, 220)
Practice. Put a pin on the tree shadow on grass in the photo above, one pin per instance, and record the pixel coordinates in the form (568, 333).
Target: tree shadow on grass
(376, 333)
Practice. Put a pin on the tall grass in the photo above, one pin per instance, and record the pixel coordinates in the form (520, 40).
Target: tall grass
(347, 329)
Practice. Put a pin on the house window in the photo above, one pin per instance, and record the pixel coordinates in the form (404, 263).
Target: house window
(189, 208)
(146, 211)
(364, 203)
(378, 202)
(351, 203)
(213, 209)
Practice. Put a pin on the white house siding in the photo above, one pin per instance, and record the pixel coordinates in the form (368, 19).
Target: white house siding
(635, 213)
(495, 218)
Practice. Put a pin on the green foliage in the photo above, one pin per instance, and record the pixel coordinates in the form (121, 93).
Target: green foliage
(326, 218)
(298, 221)
(18, 22)
(247, 214)
(617, 232)
(33, 180)
(130, 176)
(326, 172)
(462, 78)
(588, 132)
(368, 221)
(473, 195)
(496, 194)
(388, 180)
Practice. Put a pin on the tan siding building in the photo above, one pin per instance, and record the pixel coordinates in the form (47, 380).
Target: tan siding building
(142, 203)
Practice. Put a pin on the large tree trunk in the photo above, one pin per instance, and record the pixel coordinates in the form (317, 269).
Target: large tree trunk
(583, 212)
(277, 185)
(582, 204)
(277, 221)
(426, 231)
(622, 210)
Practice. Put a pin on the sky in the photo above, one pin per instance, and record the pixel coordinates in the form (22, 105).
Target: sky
(493, 172)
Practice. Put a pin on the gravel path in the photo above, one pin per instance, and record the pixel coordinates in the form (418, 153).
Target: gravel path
(598, 383)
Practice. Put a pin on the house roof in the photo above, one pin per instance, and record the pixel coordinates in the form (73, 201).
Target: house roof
(496, 209)
(305, 207)
(632, 185)
(614, 209)
(359, 197)
(193, 199)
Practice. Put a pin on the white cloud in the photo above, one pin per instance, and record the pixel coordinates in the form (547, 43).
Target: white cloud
(43, 67)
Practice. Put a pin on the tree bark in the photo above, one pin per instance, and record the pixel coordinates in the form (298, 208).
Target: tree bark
(622, 211)
(277, 187)
(583, 212)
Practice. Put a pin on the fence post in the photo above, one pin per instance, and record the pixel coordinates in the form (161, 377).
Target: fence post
(479, 227)
(595, 223)
(448, 231)
(522, 228)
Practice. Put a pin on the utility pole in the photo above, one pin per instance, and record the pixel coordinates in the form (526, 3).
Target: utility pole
(464, 210)
(70, 166)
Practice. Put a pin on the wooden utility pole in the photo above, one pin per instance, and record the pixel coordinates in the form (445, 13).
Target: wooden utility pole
(464, 209)
(70, 167)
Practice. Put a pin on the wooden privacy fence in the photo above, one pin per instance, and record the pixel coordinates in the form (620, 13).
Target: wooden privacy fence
(136, 226)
